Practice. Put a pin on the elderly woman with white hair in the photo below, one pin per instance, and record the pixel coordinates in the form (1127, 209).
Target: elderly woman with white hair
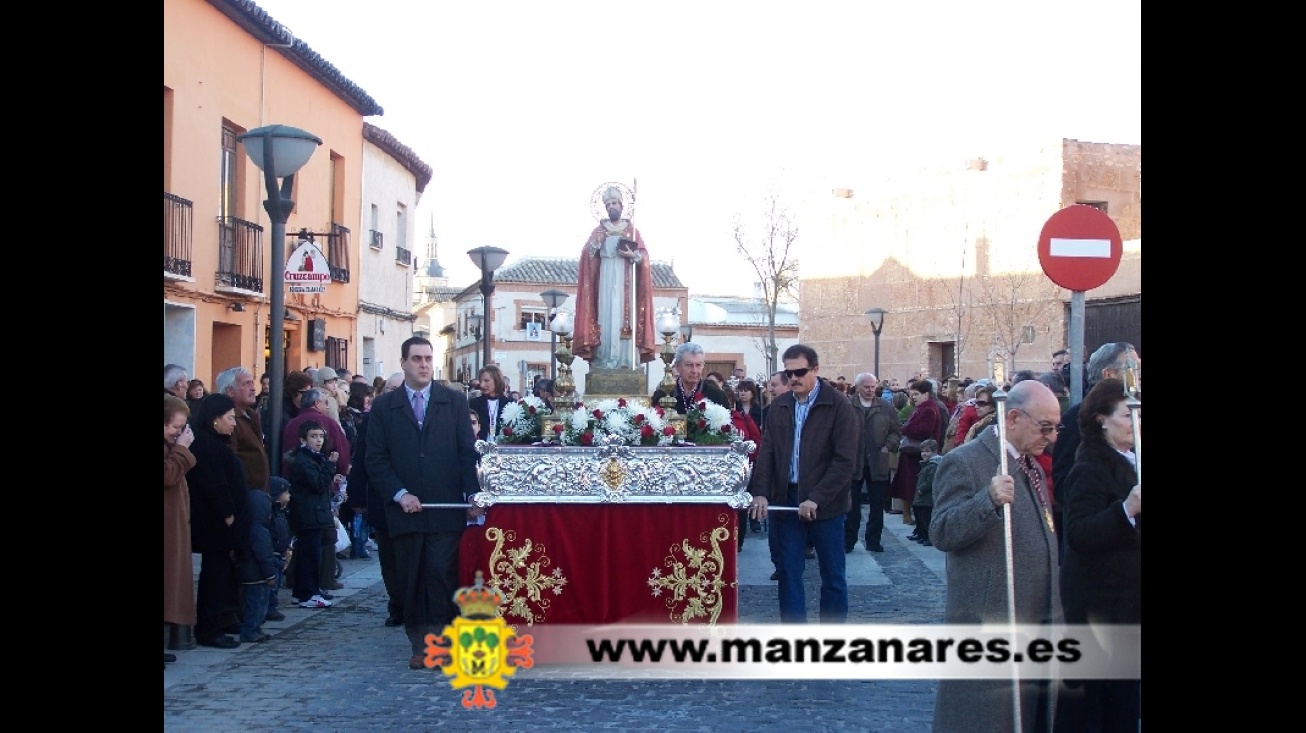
(688, 367)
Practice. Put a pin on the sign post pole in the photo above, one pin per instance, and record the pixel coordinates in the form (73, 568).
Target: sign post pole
(1076, 337)
(1079, 249)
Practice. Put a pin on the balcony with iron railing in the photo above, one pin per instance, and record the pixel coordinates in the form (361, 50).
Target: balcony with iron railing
(178, 226)
(338, 253)
(403, 257)
(240, 256)
(377, 241)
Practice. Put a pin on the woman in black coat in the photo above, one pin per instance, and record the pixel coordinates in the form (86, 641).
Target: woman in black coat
(217, 508)
(490, 400)
(1102, 569)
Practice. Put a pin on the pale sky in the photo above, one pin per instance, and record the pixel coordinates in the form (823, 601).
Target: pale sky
(522, 108)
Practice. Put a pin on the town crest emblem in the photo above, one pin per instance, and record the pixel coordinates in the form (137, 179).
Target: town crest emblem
(479, 650)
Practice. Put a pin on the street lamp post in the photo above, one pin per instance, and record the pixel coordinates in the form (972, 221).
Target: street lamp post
(877, 324)
(279, 151)
(553, 298)
(488, 259)
(474, 320)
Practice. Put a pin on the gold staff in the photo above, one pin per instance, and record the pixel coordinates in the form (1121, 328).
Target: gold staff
(1135, 406)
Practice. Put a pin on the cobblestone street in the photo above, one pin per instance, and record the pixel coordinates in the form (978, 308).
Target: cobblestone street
(341, 669)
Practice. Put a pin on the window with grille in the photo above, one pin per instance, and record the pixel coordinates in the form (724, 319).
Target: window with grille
(337, 353)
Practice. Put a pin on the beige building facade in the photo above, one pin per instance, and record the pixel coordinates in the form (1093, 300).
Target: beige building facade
(949, 250)
(229, 68)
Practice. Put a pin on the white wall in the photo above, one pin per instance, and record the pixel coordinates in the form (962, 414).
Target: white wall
(748, 341)
(384, 282)
(179, 335)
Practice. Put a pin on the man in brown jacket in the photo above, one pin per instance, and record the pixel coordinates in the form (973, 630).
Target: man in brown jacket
(881, 433)
(807, 459)
(247, 441)
(238, 384)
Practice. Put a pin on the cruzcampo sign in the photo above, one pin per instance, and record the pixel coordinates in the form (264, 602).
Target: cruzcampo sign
(307, 270)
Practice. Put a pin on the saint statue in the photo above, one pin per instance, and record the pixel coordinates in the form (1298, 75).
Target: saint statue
(613, 264)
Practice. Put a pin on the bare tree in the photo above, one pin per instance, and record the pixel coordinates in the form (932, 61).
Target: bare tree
(768, 246)
(1014, 304)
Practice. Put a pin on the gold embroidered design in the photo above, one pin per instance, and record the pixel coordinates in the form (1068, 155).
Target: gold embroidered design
(613, 473)
(523, 582)
(695, 584)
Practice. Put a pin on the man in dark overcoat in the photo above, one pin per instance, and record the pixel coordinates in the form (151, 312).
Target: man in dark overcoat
(420, 449)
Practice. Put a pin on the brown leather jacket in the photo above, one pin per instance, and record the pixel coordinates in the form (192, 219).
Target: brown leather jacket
(247, 441)
(830, 442)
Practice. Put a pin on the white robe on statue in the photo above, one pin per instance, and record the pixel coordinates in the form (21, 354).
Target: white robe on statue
(613, 352)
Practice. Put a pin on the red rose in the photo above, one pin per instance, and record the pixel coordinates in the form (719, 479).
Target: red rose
(598, 414)
(578, 406)
(702, 405)
(701, 423)
(621, 402)
(507, 431)
(530, 409)
(646, 431)
(660, 411)
(638, 419)
(668, 430)
(725, 429)
(587, 438)
(558, 428)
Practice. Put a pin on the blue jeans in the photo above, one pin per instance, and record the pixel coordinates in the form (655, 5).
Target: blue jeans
(792, 537)
(281, 576)
(358, 532)
(255, 609)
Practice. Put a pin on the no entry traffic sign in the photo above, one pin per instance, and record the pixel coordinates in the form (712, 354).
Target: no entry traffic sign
(1079, 248)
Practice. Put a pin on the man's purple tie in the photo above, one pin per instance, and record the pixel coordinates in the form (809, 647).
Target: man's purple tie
(1030, 468)
(419, 407)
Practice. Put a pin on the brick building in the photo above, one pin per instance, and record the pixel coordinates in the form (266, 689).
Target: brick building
(948, 248)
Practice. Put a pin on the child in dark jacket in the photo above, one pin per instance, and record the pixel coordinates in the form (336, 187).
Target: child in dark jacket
(256, 566)
(312, 478)
(279, 490)
(922, 505)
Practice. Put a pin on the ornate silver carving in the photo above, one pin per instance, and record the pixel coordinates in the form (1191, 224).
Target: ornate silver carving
(614, 473)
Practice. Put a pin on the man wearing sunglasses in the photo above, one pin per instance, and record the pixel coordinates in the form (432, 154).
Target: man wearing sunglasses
(970, 497)
(807, 460)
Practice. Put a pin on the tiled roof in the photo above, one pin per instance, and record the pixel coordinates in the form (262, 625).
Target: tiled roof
(399, 152)
(258, 23)
(443, 293)
(563, 271)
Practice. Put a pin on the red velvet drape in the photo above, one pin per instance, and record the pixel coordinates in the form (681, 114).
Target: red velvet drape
(608, 563)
